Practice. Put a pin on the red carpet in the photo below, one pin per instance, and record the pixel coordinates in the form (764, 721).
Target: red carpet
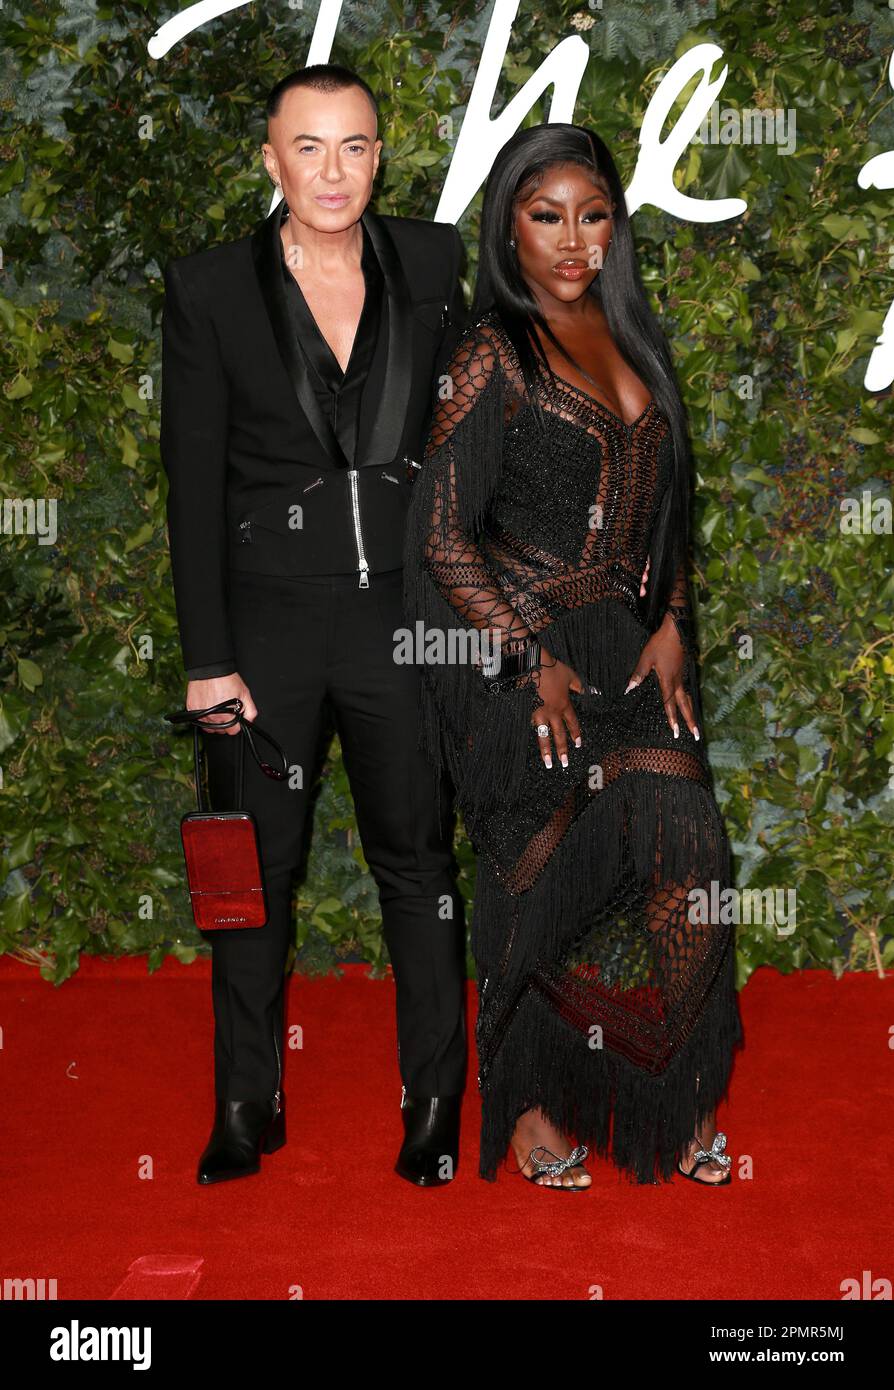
(111, 1073)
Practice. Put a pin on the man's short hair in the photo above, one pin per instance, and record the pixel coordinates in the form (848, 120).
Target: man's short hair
(323, 77)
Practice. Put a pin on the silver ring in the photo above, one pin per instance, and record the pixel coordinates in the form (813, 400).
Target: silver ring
(543, 731)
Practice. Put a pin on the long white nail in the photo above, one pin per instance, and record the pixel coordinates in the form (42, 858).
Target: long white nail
(676, 731)
(696, 733)
(548, 762)
(564, 760)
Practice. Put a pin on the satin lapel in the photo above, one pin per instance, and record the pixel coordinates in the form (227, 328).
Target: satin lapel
(387, 432)
(268, 267)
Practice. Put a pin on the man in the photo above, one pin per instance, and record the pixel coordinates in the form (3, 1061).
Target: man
(299, 374)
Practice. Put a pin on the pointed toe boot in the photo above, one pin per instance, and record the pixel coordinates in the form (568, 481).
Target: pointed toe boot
(243, 1130)
(430, 1152)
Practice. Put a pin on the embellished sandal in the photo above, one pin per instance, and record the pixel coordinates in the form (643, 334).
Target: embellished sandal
(705, 1156)
(556, 1167)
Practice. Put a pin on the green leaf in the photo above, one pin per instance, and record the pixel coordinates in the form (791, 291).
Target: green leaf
(130, 451)
(133, 400)
(840, 227)
(122, 352)
(21, 850)
(844, 340)
(10, 726)
(19, 387)
(143, 534)
(29, 673)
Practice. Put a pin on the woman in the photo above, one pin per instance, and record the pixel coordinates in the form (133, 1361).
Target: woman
(556, 470)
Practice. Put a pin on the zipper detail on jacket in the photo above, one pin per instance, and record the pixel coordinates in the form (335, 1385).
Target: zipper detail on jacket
(358, 534)
(245, 528)
(278, 1093)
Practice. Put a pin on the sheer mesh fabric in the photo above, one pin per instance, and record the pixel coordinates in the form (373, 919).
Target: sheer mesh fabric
(589, 920)
(584, 543)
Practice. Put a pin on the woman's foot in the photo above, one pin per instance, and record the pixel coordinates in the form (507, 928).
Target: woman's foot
(711, 1171)
(534, 1131)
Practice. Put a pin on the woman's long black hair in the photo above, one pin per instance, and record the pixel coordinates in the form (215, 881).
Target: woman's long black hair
(517, 171)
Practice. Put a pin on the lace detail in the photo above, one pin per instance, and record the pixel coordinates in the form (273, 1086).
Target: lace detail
(553, 540)
(584, 920)
(681, 612)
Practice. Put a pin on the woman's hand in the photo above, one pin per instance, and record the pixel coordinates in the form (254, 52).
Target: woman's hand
(663, 654)
(556, 714)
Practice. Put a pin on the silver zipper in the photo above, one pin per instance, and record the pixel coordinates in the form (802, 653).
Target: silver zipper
(245, 528)
(278, 1093)
(316, 483)
(358, 534)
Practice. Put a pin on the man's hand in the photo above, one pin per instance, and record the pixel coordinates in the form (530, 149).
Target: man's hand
(204, 694)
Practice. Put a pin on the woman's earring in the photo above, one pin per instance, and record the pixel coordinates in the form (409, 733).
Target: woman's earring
(511, 243)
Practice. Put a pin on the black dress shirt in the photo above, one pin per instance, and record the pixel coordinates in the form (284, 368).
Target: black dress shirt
(340, 394)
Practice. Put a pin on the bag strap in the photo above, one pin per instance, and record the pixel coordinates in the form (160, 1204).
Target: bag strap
(233, 706)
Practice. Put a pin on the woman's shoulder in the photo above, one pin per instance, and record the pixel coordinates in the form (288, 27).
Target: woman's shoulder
(486, 340)
(488, 325)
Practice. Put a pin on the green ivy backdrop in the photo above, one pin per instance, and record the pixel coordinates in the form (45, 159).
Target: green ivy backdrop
(113, 162)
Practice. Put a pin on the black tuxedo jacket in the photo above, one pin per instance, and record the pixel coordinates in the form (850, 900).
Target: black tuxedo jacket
(257, 480)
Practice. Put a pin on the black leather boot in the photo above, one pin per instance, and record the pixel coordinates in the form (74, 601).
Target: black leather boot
(243, 1130)
(430, 1151)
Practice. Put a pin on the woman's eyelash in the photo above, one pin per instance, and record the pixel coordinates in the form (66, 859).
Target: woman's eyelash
(554, 216)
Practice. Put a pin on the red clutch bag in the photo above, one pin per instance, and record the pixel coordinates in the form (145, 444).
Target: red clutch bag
(223, 859)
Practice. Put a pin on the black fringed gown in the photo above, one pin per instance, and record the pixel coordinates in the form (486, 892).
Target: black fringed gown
(606, 979)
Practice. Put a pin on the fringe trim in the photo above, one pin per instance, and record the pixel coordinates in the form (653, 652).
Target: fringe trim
(537, 1059)
(454, 700)
(643, 825)
(483, 741)
(640, 1123)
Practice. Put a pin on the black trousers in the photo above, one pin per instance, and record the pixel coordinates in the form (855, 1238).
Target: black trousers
(309, 648)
